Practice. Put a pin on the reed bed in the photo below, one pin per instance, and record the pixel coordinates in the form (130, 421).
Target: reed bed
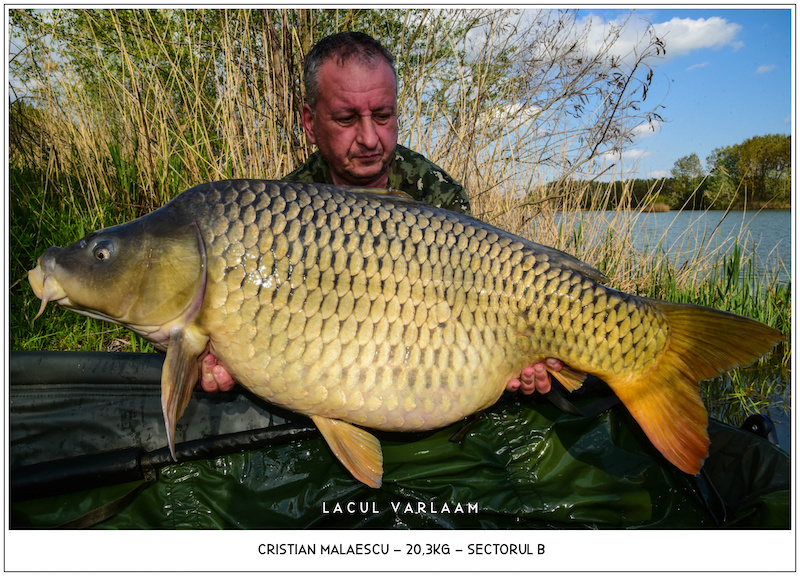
(117, 111)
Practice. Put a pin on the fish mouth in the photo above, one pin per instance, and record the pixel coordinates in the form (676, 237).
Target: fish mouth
(45, 286)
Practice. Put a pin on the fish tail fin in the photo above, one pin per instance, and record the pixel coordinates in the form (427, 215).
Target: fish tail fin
(665, 401)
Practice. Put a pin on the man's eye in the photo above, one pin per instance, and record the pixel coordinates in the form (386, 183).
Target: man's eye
(346, 120)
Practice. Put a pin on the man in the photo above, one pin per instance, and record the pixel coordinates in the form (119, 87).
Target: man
(351, 116)
(353, 122)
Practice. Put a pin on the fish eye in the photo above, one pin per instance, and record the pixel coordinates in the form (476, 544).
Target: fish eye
(103, 250)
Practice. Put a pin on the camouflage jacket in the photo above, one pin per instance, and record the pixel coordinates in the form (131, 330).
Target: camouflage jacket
(410, 172)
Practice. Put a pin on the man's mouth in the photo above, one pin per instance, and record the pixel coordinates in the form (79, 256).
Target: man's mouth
(368, 159)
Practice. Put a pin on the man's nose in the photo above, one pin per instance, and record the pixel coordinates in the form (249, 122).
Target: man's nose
(367, 134)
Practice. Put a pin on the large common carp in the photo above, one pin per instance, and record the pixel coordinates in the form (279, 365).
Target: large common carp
(364, 308)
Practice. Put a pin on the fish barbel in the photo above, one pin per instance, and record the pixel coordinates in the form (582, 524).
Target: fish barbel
(363, 308)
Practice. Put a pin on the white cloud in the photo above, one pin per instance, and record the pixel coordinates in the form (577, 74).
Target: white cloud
(700, 65)
(635, 154)
(631, 32)
(658, 174)
(685, 35)
(681, 36)
(622, 36)
(646, 129)
(765, 69)
(629, 155)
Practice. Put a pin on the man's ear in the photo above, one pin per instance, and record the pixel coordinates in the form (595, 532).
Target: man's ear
(308, 123)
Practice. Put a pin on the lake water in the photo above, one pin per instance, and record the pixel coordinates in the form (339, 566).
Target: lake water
(767, 233)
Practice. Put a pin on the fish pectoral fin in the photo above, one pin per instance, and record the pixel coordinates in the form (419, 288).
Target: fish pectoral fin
(179, 376)
(570, 378)
(358, 450)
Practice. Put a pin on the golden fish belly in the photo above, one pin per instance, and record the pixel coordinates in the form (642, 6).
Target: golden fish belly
(374, 358)
(345, 306)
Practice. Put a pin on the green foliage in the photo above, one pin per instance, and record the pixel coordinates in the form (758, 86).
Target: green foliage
(684, 189)
(757, 170)
(753, 174)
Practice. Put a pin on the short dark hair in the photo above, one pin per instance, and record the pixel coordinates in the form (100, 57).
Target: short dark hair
(341, 46)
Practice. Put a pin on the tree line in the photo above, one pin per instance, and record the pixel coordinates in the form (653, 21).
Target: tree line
(755, 173)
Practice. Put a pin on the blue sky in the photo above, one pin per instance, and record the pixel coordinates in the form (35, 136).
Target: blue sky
(726, 77)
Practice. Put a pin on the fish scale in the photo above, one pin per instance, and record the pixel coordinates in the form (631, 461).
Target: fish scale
(358, 293)
(364, 308)
(345, 280)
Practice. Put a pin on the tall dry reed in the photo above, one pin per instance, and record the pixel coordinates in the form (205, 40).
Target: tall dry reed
(138, 105)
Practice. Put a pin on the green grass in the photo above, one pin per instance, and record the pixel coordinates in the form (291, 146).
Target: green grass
(733, 284)
(45, 213)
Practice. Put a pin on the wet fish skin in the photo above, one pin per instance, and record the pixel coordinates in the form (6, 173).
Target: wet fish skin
(362, 307)
(379, 309)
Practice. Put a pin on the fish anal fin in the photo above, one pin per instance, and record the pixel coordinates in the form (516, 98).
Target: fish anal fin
(570, 378)
(179, 376)
(358, 450)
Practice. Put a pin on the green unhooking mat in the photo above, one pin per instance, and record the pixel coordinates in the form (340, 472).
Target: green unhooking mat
(87, 449)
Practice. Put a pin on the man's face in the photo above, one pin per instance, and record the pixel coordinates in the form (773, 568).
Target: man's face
(354, 124)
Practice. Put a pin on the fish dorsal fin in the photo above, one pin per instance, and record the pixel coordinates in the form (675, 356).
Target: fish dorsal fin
(385, 192)
(566, 260)
(358, 450)
(179, 376)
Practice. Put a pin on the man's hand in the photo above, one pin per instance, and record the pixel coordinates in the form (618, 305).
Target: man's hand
(535, 378)
(213, 377)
